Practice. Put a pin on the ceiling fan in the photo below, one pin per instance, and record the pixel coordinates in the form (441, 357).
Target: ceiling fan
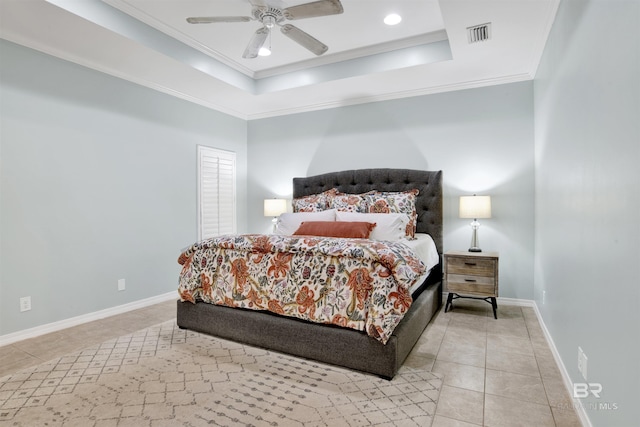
(274, 12)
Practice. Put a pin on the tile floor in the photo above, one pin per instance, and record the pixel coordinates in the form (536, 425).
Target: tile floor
(497, 372)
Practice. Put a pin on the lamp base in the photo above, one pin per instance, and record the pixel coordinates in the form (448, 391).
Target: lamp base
(474, 236)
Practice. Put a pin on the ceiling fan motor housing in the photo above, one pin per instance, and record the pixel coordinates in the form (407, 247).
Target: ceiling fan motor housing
(269, 16)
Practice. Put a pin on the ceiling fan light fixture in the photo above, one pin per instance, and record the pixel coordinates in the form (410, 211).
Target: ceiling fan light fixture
(272, 13)
(269, 21)
(392, 19)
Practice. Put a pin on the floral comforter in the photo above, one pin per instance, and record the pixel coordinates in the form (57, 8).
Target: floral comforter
(355, 283)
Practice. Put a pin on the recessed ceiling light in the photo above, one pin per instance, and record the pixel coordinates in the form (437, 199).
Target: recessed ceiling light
(264, 51)
(392, 19)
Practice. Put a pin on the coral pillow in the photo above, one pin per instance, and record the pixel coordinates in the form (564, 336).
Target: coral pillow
(359, 230)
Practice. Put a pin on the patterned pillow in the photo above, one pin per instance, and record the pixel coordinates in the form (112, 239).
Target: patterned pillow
(396, 202)
(313, 202)
(344, 202)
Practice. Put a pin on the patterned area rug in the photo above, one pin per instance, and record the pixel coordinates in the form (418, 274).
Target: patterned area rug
(165, 376)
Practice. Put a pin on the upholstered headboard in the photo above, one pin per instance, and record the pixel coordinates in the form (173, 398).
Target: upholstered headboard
(428, 202)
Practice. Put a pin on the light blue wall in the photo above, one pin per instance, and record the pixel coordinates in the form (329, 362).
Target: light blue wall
(482, 139)
(587, 114)
(98, 183)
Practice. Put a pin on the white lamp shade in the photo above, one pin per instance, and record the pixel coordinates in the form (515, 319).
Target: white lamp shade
(475, 207)
(274, 207)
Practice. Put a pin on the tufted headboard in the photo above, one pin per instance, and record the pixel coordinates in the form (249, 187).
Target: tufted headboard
(428, 202)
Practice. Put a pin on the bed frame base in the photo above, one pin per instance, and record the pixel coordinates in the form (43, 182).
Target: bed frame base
(324, 343)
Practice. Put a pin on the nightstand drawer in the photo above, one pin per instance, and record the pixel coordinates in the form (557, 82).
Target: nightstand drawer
(471, 266)
(467, 284)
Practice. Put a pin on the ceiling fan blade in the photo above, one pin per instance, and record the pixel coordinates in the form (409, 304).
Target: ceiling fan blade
(256, 42)
(304, 39)
(215, 19)
(279, 4)
(313, 9)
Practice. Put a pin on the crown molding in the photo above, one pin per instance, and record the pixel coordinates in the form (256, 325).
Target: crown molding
(393, 95)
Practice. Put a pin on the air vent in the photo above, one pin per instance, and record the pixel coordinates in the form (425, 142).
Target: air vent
(479, 33)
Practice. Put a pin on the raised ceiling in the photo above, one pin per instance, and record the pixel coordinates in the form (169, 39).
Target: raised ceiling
(149, 42)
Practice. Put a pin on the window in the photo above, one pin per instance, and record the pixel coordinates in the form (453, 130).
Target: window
(216, 192)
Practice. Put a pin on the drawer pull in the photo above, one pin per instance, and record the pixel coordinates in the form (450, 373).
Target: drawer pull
(469, 280)
(469, 263)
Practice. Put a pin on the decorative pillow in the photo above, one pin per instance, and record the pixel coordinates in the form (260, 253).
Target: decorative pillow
(396, 202)
(357, 230)
(289, 222)
(349, 202)
(313, 202)
(391, 227)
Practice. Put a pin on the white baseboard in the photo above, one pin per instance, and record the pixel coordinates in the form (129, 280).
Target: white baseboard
(584, 418)
(516, 301)
(89, 317)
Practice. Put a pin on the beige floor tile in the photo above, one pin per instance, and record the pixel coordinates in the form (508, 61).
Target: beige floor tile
(461, 376)
(566, 417)
(504, 412)
(440, 318)
(529, 313)
(540, 345)
(461, 404)
(470, 306)
(515, 386)
(471, 321)
(13, 359)
(512, 362)
(548, 367)
(510, 344)
(466, 335)
(509, 312)
(557, 394)
(458, 351)
(440, 421)
(533, 324)
(429, 343)
(416, 361)
(433, 332)
(53, 345)
(510, 327)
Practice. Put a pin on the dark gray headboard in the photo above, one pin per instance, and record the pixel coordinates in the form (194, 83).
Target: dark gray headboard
(428, 202)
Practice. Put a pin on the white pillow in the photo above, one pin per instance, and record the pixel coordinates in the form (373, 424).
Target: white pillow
(289, 222)
(389, 226)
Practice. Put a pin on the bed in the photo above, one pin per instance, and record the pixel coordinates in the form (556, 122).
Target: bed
(330, 343)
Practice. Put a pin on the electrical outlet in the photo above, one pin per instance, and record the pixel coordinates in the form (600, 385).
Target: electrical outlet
(25, 304)
(582, 363)
(544, 297)
(121, 285)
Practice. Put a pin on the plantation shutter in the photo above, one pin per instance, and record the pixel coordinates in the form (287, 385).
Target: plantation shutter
(216, 192)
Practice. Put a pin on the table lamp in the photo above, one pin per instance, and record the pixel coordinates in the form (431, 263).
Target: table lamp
(273, 208)
(475, 207)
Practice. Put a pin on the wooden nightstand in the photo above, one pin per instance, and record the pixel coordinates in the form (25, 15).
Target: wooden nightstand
(472, 274)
